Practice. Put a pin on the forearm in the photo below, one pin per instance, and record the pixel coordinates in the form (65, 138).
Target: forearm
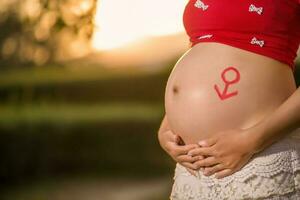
(281, 122)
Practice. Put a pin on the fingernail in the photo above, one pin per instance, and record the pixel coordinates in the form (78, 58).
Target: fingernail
(202, 143)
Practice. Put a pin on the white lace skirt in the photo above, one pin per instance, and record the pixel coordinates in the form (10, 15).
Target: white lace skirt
(273, 173)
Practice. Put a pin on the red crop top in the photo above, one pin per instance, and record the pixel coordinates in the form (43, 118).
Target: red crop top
(267, 27)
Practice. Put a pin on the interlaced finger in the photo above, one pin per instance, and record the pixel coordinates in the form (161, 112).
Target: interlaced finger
(187, 158)
(183, 149)
(207, 162)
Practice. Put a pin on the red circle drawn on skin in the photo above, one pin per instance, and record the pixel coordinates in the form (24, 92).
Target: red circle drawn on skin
(235, 80)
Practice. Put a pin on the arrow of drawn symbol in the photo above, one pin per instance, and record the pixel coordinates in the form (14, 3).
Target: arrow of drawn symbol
(224, 95)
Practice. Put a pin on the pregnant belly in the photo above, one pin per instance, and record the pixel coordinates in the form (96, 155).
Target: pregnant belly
(214, 87)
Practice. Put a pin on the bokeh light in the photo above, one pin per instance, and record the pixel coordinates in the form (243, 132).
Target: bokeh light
(120, 22)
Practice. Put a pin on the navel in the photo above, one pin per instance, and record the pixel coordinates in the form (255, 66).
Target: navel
(175, 89)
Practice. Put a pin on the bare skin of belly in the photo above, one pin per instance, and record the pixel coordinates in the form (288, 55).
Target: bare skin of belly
(215, 87)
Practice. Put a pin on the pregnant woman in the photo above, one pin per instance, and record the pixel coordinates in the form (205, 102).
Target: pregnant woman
(232, 120)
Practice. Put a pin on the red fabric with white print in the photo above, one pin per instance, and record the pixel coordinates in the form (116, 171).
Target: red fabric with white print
(266, 27)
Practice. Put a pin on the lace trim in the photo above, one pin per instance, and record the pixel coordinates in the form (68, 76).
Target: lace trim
(272, 172)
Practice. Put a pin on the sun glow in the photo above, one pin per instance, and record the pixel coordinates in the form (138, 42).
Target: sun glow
(119, 22)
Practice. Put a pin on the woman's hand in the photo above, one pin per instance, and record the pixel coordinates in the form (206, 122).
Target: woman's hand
(175, 147)
(225, 152)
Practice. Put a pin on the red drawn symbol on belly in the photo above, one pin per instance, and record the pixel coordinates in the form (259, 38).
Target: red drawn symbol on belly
(224, 95)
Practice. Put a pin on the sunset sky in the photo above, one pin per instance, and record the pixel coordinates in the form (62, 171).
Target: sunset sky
(121, 22)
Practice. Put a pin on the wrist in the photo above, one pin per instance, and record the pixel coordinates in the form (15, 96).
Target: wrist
(256, 137)
(266, 133)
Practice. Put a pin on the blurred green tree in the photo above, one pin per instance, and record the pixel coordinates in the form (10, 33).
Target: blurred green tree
(36, 32)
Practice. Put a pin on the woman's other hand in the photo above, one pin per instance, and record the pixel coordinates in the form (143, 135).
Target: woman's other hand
(175, 147)
(225, 152)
